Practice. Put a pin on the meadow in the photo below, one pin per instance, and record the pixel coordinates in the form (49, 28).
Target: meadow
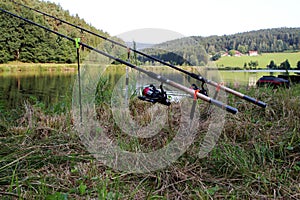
(256, 157)
(263, 60)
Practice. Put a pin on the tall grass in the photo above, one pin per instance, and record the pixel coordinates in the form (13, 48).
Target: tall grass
(257, 157)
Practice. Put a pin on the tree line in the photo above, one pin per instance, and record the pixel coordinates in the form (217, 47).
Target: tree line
(24, 42)
(263, 41)
(284, 65)
(267, 40)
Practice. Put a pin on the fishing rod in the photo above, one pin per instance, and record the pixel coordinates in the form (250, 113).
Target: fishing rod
(193, 75)
(148, 73)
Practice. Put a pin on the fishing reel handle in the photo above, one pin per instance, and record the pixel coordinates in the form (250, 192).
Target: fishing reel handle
(224, 106)
(255, 101)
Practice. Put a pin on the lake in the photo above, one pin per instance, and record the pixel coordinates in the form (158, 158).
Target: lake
(47, 88)
(50, 88)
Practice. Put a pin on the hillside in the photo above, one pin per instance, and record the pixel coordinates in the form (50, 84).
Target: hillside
(193, 49)
(23, 42)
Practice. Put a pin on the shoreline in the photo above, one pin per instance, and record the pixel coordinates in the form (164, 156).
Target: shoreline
(19, 67)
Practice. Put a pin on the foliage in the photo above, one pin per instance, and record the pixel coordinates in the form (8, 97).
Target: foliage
(24, 42)
(178, 54)
(285, 65)
(216, 57)
(231, 52)
(253, 64)
(272, 65)
(263, 41)
(267, 40)
(298, 65)
(242, 48)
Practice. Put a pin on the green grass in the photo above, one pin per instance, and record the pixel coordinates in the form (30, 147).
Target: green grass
(257, 157)
(263, 60)
(19, 66)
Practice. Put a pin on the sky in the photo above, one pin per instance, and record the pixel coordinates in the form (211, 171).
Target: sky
(178, 18)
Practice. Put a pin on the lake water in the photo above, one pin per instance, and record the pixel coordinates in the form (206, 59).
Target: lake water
(50, 88)
(47, 88)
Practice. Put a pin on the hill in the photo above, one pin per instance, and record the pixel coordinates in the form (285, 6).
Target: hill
(194, 48)
(24, 42)
(266, 40)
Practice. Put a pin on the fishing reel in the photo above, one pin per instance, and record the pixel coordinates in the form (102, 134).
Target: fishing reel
(153, 95)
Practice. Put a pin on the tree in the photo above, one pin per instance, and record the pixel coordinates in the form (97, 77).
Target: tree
(4, 57)
(253, 64)
(242, 49)
(231, 52)
(28, 43)
(298, 65)
(215, 57)
(272, 65)
(285, 65)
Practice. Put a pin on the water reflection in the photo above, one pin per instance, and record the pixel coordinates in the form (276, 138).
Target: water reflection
(241, 78)
(46, 87)
(51, 88)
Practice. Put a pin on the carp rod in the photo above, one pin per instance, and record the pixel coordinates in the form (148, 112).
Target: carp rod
(148, 73)
(193, 75)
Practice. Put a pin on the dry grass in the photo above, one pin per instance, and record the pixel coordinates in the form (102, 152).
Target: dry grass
(257, 157)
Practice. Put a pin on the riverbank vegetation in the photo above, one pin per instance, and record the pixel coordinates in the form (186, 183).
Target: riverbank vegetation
(21, 67)
(257, 157)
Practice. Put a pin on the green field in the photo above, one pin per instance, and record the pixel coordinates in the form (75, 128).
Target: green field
(263, 60)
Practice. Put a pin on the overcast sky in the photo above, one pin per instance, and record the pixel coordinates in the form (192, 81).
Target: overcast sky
(186, 17)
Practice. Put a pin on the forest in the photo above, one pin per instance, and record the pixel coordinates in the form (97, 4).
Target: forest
(267, 40)
(197, 49)
(24, 42)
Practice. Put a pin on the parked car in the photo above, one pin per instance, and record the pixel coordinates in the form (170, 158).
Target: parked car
(272, 81)
(291, 78)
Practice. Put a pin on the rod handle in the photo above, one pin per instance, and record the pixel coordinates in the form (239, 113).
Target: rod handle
(255, 101)
(224, 106)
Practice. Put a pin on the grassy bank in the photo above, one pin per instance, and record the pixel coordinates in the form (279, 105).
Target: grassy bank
(257, 157)
(263, 60)
(18, 66)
